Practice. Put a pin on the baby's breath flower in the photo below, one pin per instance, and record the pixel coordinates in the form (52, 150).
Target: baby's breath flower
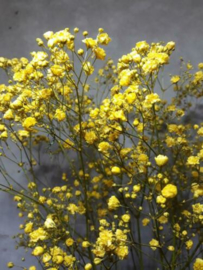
(169, 191)
(113, 203)
(10, 264)
(88, 266)
(116, 170)
(175, 79)
(145, 221)
(198, 264)
(161, 160)
(154, 244)
(38, 251)
(171, 248)
(193, 160)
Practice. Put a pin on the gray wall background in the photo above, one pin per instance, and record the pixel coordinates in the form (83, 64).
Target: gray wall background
(127, 22)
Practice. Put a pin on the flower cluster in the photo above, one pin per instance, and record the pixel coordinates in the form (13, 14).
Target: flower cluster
(128, 162)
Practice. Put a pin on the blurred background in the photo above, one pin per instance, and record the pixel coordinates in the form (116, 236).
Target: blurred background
(126, 22)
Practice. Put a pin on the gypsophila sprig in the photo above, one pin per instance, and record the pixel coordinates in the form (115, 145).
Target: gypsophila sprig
(114, 172)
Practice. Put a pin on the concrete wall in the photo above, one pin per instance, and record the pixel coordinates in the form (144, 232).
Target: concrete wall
(126, 21)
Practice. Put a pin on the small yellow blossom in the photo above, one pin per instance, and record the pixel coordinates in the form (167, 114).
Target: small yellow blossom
(145, 221)
(189, 244)
(88, 68)
(49, 223)
(88, 266)
(10, 264)
(69, 242)
(38, 251)
(193, 160)
(8, 115)
(32, 268)
(169, 191)
(126, 218)
(100, 53)
(113, 203)
(154, 244)
(29, 123)
(28, 227)
(175, 79)
(171, 248)
(122, 252)
(97, 260)
(161, 160)
(198, 265)
(90, 42)
(104, 147)
(60, 115)
(116, 170)
(103, 38)
(39, 234)
(142, 46)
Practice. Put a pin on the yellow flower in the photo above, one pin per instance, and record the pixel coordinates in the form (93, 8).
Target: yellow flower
(103, 147)
(90, 42)
(122, 252)
(150, 66)
(97, 261)
(85, 244)
(161, 58)
(38, 251)
(29, 122)
(125, 77)
(113, 203)
(4, 135)
(145, 221)
(39, 234)
(175, 79)
(69, 260)
(69, 242)
(130, 98)
(116, 170)
(160, 199)
(119, 115)
(171, 248)
(100, 53)
(46, 257)
(28, 227)
(193, 160)
(10, 264)
(198, 265)
(90, 137)
(88, 266)
(189, 244)
(152, 98)
(60, 115)
(154, 244)
(57, 70)
(125, 218)
(171, 45)
(23, 133)
(49, 223)
(8, 115)
(163, 219)
(136, 188)
(68, 144)
(32, 268)
(142, 46)
(88, 68)
(197, 208)
(161, 160)
(169, 191)
(103, 39)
